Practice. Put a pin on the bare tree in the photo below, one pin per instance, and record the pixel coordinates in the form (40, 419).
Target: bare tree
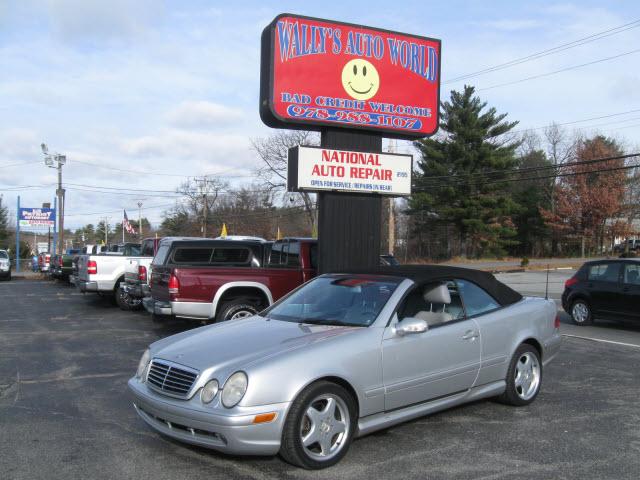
(529, 142)
(560, 149)
(273, 151)
(201, 196)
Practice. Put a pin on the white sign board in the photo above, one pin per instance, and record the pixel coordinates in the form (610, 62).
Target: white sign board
(314, 168)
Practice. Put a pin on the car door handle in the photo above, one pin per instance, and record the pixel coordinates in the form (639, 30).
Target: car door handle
(470, 335)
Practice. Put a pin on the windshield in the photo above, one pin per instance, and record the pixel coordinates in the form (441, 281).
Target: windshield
(3, 254)
(336, 300)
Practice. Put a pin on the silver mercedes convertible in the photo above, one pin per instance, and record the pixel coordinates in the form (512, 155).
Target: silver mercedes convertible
(345, 355)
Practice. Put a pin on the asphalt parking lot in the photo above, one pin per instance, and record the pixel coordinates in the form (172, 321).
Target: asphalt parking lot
(65, 412)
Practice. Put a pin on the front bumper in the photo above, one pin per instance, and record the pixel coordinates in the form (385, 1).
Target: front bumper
(210, 426)
(86, 285)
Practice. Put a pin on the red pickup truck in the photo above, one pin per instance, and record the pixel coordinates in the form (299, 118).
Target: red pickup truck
(219, 280)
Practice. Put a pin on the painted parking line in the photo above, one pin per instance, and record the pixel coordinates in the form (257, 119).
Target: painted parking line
(602, 340)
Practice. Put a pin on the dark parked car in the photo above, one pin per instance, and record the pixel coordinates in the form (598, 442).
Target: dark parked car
(5, 265)
(603, 288)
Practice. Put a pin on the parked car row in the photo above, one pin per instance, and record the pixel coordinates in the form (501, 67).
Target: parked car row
(5, 265)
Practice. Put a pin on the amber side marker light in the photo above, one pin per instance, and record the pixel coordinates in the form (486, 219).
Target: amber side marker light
(265, 417)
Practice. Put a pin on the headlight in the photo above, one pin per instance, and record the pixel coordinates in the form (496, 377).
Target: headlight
(234, 389)
(209, 391)
(144, 363)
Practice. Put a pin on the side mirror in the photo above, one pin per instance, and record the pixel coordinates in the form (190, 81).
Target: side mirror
(411, 325)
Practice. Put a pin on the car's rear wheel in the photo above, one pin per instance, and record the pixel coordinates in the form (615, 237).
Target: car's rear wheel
(581, 313)
(319, 427)
(524, 377)
(236, 309)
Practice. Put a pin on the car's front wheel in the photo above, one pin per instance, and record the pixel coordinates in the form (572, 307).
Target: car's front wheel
(319, 427)
(581, 313)
(524, 377)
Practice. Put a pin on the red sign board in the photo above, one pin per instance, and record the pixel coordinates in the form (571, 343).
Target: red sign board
(319, 73)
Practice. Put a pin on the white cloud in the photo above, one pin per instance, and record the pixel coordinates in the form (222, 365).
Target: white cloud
(101, 21)
(513, 24)
(203, 114)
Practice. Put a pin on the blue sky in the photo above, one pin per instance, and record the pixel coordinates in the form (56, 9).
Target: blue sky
(172, 86)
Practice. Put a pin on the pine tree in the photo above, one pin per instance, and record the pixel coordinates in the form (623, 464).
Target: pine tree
(454, 183)
(4, 225)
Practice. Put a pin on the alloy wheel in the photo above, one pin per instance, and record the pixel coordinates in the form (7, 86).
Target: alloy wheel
(241, 314)
(580, 312)
(527, 376)
(325, 426)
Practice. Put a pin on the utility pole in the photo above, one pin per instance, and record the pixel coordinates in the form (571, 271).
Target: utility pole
(140, 220)
(60, 160)
(205, 215)
(106, 229)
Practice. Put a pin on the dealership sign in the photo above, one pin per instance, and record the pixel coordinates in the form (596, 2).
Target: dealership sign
(319, 73)
(316, 168)
(37, 217)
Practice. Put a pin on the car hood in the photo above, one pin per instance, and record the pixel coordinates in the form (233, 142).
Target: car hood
(239, 343)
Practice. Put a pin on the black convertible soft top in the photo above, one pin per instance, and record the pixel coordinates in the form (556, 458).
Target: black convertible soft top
(432, 273)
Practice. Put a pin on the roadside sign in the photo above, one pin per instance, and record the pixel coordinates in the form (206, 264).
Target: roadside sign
(317, 72)
(317, 168)
(37, 217)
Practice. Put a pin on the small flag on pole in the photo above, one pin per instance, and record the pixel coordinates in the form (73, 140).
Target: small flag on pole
(223, 233)
(127, 226)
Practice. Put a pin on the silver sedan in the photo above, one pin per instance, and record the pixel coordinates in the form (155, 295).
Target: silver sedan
(345, 355)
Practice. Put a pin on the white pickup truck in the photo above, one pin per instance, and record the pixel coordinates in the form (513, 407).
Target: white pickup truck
(137, 273)
(103, 273)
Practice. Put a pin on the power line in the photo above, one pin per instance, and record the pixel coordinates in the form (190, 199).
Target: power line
(582, 120)
(117, 211)
(542, 167)
(146, 172)
(549, 51)
(573, 67)
(459, 179)
(19, 164)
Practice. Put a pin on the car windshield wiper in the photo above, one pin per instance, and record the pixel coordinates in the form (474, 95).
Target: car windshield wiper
(320, 321)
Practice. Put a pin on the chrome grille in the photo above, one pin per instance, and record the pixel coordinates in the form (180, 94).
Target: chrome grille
(171, 379)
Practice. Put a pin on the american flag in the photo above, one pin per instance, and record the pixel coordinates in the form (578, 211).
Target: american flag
(127, 226)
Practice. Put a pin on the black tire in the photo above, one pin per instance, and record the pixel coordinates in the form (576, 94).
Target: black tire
(125, 301)
(291, 449)
(578, 307)
(512, 394)
(236, 309)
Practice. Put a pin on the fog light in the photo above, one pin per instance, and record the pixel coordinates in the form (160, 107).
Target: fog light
(209, 391)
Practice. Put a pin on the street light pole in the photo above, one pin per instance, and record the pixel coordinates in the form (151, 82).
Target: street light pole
(49, 161)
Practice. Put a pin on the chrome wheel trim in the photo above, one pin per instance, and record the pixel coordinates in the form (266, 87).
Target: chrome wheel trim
(527, 376)
(580, 312)
(241, 314)
(325, 427)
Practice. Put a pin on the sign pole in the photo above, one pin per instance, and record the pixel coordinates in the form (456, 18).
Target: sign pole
(349, 224)
(55, 234)
(18, 237)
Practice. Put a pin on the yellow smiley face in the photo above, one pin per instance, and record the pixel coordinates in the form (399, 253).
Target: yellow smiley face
(360, 79)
